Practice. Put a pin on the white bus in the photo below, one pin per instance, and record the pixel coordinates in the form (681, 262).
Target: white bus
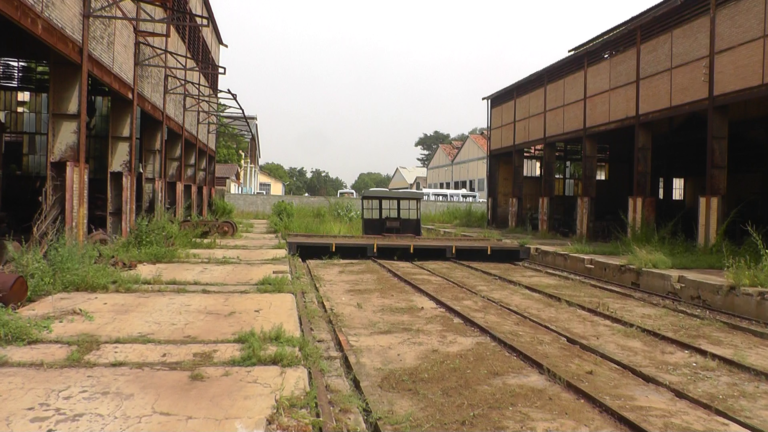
(346, 193)
(450, 195)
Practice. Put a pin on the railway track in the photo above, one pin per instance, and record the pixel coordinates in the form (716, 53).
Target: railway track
(580, 365)
(343, 347)
(735, 321)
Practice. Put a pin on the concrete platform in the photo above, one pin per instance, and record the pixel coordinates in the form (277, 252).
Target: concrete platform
(166, 316)
(239, 254)
(124, 399)
(246, 243)
(205, 273)
(35, 354)
(409, 246)
(260, 226)
(157, 353)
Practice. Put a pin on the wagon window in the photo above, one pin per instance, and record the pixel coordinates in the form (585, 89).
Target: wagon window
(389, 208)
(409, 209)
(370, 209)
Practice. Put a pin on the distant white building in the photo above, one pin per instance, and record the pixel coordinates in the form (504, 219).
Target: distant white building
(409, 178)
(460, 167)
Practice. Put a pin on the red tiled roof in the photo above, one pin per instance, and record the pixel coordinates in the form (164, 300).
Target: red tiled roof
(482, 141)
(457, 144)
(449, 150)
(227, 171)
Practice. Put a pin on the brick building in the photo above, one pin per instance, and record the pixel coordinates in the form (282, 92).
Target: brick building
(109, 110)
(661, 118)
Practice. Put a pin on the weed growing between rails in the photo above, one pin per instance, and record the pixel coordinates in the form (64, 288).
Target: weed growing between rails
(336, 219)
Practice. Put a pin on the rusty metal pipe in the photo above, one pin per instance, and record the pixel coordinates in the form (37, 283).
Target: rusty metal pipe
(13, 289)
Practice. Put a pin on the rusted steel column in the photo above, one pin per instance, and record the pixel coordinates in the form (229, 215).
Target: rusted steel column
(82, 215)
(547, 185)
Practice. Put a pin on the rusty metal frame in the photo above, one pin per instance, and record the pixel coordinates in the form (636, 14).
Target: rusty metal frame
(177, 58)
(170, 18)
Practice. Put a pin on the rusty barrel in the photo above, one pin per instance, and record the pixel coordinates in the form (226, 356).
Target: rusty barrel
(13, 289)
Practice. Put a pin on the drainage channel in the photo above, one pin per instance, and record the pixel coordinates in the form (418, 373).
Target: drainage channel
(343, 347)
(680, 343)
(541, 348)
(732, 320)
(594, 350)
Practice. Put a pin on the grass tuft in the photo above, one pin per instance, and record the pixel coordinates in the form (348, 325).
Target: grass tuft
(19, 330)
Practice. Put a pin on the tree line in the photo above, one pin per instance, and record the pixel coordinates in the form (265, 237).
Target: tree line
(299, 181)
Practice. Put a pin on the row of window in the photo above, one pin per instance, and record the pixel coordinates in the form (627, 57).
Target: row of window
(409, 209)
(469, 185)
(532, 168)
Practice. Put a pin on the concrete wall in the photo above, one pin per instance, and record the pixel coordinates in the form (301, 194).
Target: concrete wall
(263, 203)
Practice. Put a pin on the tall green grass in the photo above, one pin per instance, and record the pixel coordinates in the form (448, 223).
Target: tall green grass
(338, 218)
(19, 330)
(750, 270)
(222, 210)
(458, 216)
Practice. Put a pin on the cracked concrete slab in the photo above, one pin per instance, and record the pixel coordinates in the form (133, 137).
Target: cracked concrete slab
(124, 399)
(165, 316)
(239, 254)
(200, 288)
(217, 274)
(161, 353)
(246, 243)
(36, 354)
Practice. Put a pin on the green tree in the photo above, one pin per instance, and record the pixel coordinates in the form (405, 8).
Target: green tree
(229, 144)
(322, 184)
(429, 145)
(297, 181)
(275, 170)
(371, 180)
(478, 130)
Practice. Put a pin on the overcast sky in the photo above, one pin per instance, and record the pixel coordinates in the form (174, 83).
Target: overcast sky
(348, 86)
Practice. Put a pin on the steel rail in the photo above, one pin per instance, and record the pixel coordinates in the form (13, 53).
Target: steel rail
(590, 280)
(528, 358)
(605, 356)
(323, 400)
(624, 323)
(342, 344)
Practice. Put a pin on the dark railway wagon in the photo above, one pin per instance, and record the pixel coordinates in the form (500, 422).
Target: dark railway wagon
(391, 212)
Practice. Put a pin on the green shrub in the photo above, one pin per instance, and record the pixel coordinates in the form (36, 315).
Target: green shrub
(222, 210)
(158, 239)
(334, 219)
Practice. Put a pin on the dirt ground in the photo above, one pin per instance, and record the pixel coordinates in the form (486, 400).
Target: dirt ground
(725, 387)
(645, 404)
(422, 369)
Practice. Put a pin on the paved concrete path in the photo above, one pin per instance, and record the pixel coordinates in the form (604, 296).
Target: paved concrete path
(157, 361)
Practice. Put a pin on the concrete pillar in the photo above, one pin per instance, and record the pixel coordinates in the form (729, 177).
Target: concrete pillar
(119, 167)
(518, 159)
(505, 174)
(151, 141)
(585, 203)
(66, 96)
(173, 170)
(710, 219)
(642, 205)
(547, 185)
